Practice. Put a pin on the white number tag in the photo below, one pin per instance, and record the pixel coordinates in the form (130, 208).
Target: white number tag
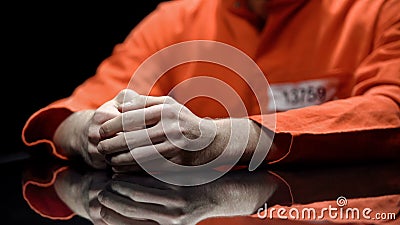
(301, 94)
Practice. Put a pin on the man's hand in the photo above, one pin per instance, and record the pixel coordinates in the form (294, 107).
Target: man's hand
(150, 124)
(78, 135)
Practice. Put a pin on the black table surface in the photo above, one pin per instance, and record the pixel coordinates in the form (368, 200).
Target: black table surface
(306, 185)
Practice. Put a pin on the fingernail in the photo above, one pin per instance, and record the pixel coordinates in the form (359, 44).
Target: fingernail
(102, 132)
(100, 148)
(100, 196)
(103, 212)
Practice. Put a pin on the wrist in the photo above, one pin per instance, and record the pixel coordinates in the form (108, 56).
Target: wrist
(71, 135)
(241, 137)
(236, 136)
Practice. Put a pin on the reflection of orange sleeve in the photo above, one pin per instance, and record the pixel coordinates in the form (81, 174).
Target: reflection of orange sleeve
(363, 126)
(41, 196)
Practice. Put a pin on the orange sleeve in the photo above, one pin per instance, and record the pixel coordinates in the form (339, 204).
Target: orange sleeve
(365, 126)
(112, 75)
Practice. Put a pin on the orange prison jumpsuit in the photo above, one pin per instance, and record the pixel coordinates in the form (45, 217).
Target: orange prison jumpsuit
(350, 47)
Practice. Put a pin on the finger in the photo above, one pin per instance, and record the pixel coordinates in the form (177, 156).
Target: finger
(123, 159)
(111, 217)
(113, 145)
(96, 186)
(152, 152)
(131, 120)
(146, 180)
(163, 165)
(111, 127)
(145, 154)
(143, 101)
(129, 140)
(105, 112)
(154, 195)
(125, 95)
(94, 209)
(127, 168)
(128, 208)
(93, 134)
(156, 165)
(94, 158)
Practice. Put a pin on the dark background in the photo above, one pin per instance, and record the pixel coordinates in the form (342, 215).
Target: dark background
(50, 48)
(47, 50)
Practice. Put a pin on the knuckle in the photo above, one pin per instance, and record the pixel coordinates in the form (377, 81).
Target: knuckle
(129, 118)
(104, 130)
(92, 130)
(102, 147)
(185, 130)
(97, 116)
(93, 135)
(126, 95)
(142, 99)
(169, 100)
(115, 186)
(123, 92)
(169, 111)
(174, 130)
(129, 140)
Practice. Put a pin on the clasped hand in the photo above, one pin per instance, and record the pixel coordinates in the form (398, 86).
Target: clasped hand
(147, 127)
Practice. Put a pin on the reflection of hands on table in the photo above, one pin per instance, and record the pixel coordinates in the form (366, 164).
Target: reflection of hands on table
(79, 192)
(130, 198)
